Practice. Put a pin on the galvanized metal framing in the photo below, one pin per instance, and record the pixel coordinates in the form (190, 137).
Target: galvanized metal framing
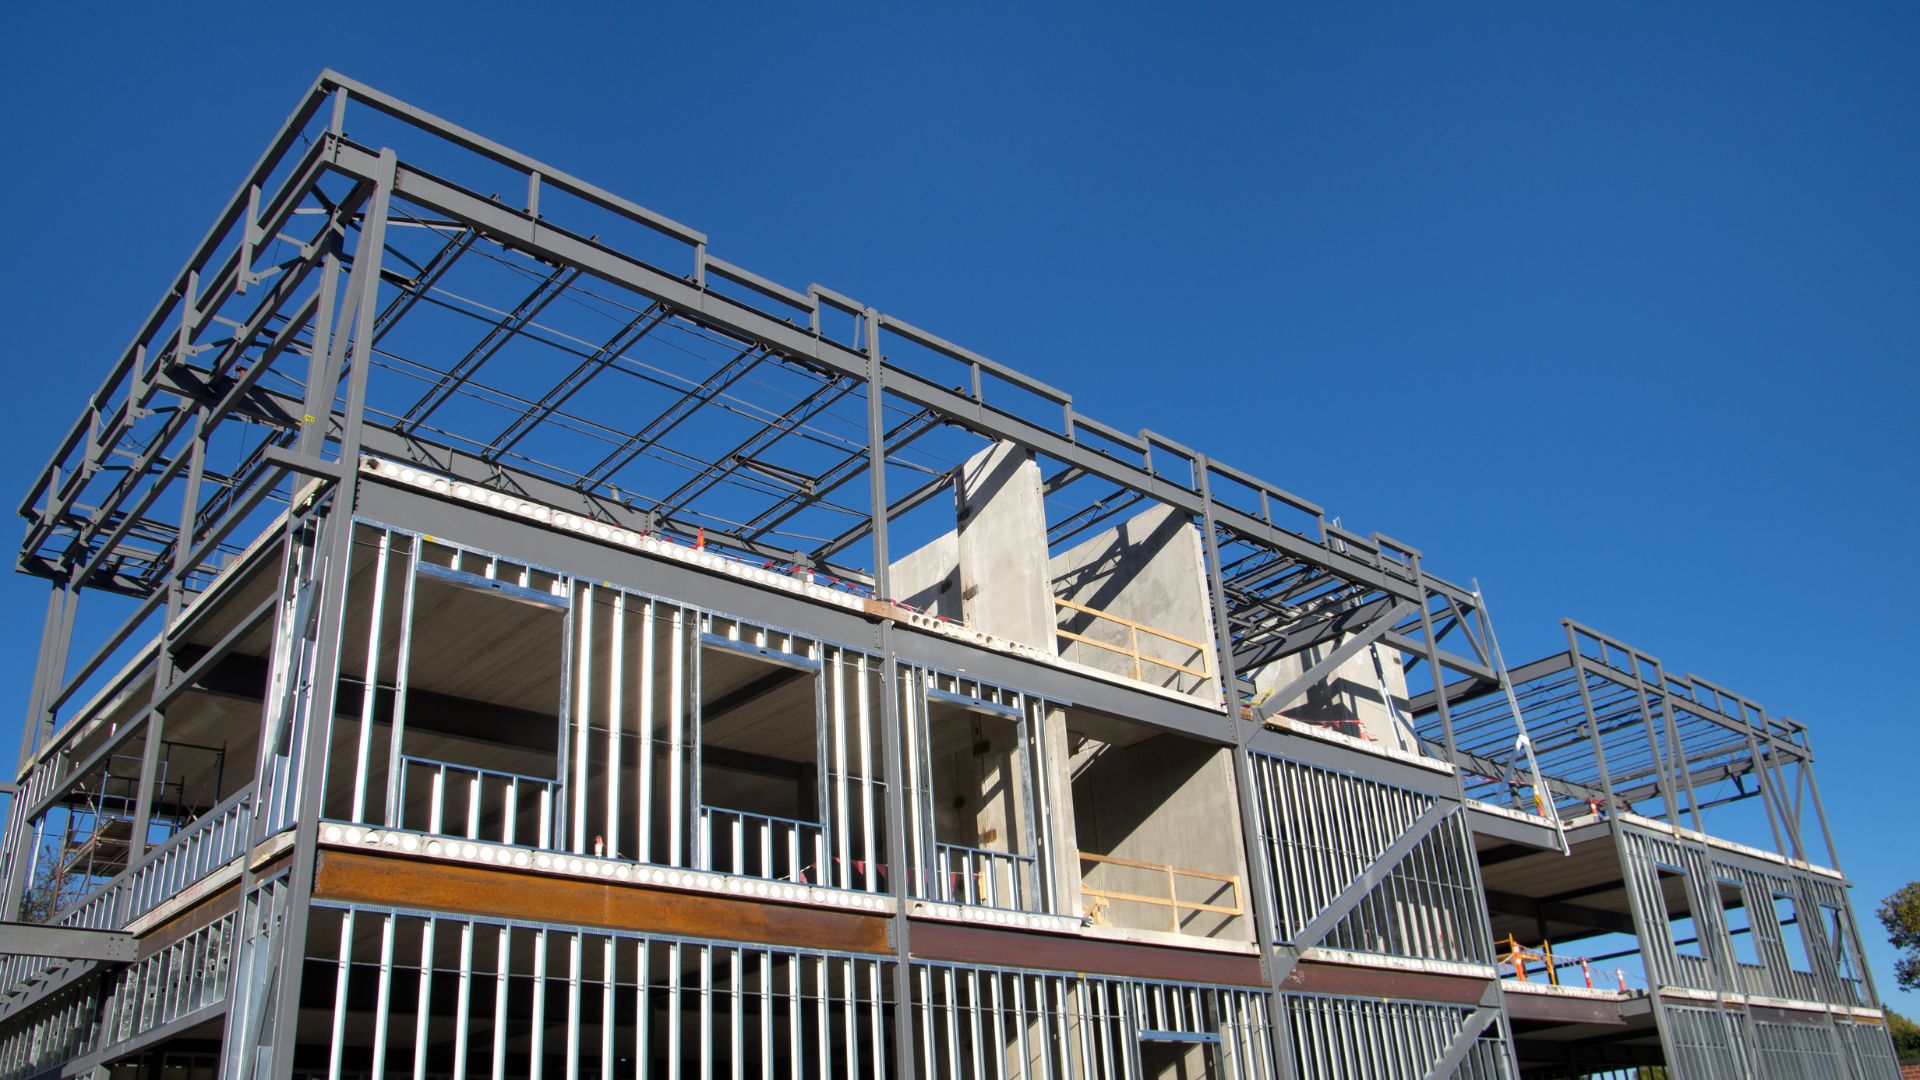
(1345, 1038)
(506, 998)
(371, 384)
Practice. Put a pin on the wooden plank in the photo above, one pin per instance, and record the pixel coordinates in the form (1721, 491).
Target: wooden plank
(1137, 657)
(1175, 638)
(1231, 879)
(397, 881)
(1156, 901)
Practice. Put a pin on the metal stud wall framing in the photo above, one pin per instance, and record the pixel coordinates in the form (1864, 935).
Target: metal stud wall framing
(1000, 1024)
(1344, 1038)
(281, 342)
(1367, 866)
(178, 984)
(423, 995)
(1818, 904)
(1706, 1044)
(631, 691)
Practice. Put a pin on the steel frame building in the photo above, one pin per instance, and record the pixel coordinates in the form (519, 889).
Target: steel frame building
(531, 645)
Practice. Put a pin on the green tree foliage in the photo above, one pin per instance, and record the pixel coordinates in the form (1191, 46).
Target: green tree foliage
(1900, 914)
(1906, 1036)
(50, 891)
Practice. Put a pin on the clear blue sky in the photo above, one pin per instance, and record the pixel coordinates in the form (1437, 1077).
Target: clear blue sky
(1612, 307)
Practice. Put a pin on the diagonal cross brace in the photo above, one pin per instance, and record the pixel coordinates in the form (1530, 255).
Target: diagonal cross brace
(1317, 673)
(1462, 1043)
(1376, 872)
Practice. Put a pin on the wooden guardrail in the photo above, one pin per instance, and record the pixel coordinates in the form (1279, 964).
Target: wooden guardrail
(1171, 901)
(1132, 649)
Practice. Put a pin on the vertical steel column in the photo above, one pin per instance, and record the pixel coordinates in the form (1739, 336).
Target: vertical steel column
(362, 292)
(583, 672)
(1259, 877)
(616, 688)
(644, 842)
(676, 720)
(55, 633)
(1662, 777)
(1768, 796)
(164, 669)
(423, 1014)
(898, 768)
(370, 685)
(835, 815)
(1433, 660)
(1678, 748)
(1593, 721)
(56, 636)
(1819, 808)
(396, 735)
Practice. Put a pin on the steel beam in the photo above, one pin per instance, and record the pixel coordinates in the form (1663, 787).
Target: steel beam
(34, 939)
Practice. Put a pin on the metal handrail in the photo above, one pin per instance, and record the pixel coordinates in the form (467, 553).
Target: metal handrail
(796, 838)
(477, 778)
(211, 841)
(978, 882)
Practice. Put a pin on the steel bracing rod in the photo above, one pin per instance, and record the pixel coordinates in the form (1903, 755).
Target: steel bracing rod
(576, 380)
(1819, 808)
(1360, 639)
(131, 360)
(422, 282)
(200, 401)
(233, 486)
(1676, 748)
(145, 376)
(502, 331)
(1092, 515)
(1592, 725)
(1769, 785)
(1521, 676)
(1739, 729)
(812, 489)
(725, 316)
(818, 401)
(1491, 768)
(683, 407)
(907, 502)
(460, 465)
(1328, 626)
